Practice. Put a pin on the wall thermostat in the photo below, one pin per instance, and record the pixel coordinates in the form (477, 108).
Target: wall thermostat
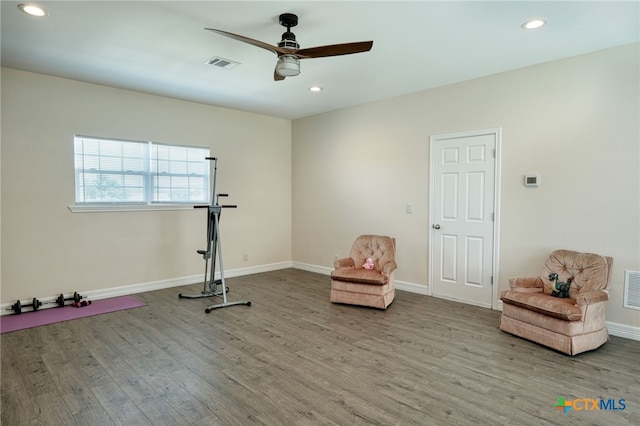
(531, 180)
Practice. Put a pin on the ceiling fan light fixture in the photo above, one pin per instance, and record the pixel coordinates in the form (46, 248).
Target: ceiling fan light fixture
(288, 66)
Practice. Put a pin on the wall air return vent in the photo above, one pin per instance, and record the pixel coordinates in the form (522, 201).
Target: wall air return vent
(219, 62)
(632, 289)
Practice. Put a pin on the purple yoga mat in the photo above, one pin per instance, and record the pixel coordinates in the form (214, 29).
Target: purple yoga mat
(15, 322)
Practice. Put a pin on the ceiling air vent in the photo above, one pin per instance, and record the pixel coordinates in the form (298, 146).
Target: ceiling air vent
(217, 61)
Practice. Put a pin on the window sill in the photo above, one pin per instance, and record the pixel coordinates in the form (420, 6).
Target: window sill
(128, 208)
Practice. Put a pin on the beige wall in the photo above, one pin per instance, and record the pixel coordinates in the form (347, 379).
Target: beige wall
(576, 122)
(47, 250)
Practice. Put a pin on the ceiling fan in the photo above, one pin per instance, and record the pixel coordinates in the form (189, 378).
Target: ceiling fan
(289, 52)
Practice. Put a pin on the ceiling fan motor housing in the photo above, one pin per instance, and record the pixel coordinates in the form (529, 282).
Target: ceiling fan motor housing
(289, 42)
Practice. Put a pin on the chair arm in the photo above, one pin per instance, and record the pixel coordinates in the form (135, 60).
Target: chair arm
(389, 267)
(344, 263)
(526, 284)
(592, 297)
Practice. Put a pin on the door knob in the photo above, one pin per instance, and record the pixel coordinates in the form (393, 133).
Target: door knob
(436, 226)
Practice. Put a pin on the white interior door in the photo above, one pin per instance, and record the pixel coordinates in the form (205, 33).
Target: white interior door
(462, 206)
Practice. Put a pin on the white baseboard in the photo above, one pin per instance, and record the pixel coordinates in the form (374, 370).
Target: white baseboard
(238, 272)
(312, 268)
(413, 288)
(622, 330)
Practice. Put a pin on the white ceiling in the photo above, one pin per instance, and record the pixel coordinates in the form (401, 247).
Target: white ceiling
(160, 47)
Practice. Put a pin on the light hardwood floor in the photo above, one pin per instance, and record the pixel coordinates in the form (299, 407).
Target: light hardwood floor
(293, 358)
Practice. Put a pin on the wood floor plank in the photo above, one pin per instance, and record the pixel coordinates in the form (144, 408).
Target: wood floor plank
(50, 410)
(118, 405)
(175, 395)
(160, 413)
(93, 416)
(75, 389)
(17, 408)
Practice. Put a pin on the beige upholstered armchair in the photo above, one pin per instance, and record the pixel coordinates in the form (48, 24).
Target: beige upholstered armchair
(570, 324)
(353, 284)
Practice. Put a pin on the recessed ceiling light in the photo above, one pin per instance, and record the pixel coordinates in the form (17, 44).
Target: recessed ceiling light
(315, 89)
(32, 9)
(534, 24)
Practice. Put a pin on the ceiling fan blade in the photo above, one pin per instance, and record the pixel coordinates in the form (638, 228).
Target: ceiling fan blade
(278, 51)
(277, 77)
(334, 50)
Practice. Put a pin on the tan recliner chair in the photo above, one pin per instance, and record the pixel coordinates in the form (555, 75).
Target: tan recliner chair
(352, 284)
(571, 325)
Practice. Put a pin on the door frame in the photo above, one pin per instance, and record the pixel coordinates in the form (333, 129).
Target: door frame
(497, 132)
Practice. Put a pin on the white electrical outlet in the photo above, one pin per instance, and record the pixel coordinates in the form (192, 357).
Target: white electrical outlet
(245, 257)
(409, 208)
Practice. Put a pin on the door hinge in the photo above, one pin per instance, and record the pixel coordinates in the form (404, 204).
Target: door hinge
(491, 279)
(494, 153)
(493, 217)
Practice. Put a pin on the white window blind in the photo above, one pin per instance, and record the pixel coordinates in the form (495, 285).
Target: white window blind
(110, 171)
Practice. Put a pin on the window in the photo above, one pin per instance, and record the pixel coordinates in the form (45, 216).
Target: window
(118, 172)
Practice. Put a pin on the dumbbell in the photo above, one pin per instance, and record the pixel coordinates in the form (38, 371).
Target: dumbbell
(61, 299)
(17, 307)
